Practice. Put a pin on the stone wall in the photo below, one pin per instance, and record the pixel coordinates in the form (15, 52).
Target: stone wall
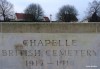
(46, 27)
(49, 45)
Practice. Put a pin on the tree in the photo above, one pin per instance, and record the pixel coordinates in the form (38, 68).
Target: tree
(36, 11)
(67, 13)
(6, 10)
(94, 11)
(94, 18)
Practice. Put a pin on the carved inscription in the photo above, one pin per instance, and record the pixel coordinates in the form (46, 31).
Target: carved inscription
(49, 51)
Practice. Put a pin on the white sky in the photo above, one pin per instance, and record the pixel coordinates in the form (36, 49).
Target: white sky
(52, 6)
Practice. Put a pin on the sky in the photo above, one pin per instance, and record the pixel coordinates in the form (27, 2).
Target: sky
(52, 6)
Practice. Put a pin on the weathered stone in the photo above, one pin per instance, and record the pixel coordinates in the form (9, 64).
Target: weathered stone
(49, 45)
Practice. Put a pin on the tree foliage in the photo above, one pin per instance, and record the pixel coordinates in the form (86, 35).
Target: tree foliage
(67, 13)
(6, 10)
(94, 11)
(36, 11)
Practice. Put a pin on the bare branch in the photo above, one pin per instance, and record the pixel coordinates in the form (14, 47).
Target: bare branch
(6, 8)
(36, 11)
(67, 13)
